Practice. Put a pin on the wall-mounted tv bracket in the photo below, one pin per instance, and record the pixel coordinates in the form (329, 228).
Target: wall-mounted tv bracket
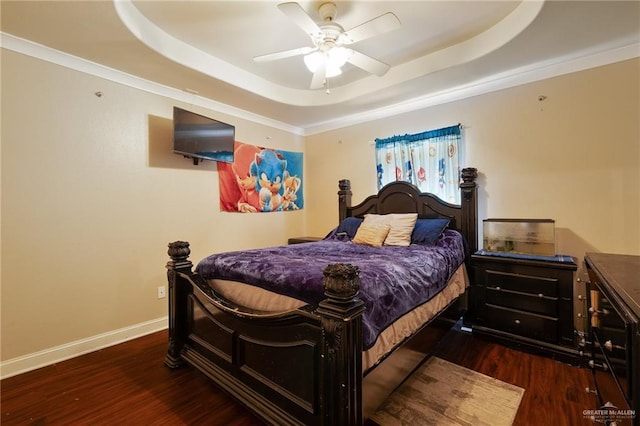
(196, 160)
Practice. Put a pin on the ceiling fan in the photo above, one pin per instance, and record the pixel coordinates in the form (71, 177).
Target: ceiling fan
(329, 51)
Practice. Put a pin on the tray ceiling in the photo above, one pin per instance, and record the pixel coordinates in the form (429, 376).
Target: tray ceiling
(441, 50)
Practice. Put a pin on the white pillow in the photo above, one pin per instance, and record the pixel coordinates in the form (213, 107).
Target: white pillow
(401, 224)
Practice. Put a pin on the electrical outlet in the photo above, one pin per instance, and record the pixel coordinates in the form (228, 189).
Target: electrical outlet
(161, 292)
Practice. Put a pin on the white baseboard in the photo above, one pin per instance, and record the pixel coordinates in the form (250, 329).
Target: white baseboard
(60, 353)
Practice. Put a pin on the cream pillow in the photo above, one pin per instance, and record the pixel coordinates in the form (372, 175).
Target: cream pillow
(401, 224)
(372, 234)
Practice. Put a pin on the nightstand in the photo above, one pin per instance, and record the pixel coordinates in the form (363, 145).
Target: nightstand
(299, 240)
(524, 301)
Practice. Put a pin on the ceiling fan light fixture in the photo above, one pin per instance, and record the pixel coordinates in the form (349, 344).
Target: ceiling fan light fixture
(333, 59)
(328, 53)
(339, 56)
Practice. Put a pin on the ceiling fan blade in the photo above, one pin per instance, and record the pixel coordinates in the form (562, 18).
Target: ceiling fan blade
(300, 18)
(380, 25)
(284, 54)
(368, 63)
(319, 77)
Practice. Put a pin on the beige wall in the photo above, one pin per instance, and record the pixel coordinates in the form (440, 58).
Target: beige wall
(92, 194)
(574, 157)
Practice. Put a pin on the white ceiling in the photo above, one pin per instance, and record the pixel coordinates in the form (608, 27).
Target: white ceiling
(443, 50)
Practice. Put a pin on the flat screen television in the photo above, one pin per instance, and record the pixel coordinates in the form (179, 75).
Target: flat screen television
(202, 138)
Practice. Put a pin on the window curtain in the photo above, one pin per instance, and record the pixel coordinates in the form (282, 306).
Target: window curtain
(429, 160)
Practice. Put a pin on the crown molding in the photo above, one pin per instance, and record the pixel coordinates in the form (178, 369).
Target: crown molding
(515, 77)
(39, 51)
(511, 78)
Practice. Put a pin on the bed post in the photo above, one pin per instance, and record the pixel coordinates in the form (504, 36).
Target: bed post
(179, 252)
(344, 198)
(469, 192)
(341, 357)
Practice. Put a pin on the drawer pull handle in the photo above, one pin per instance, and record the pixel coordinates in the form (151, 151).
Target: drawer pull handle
(498, 288)
(604, 312)
(517, 321)
(594, 365)
(540, 295)
(608, 345)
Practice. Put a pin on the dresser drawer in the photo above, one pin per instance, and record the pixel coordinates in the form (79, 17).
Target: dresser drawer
(609, 318)
(614, 285)
(617, 338)
(536, 303)
(523, 283)
(524, 301)
(606, 378)
(539, 327)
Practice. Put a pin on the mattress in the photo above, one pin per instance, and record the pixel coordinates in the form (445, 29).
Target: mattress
(264, 301)
(394, 280)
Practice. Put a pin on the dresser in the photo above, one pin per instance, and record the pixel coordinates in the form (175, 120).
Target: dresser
(614, 287)
(525, 302)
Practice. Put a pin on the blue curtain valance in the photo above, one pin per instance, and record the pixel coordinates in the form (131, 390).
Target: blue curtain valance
(445, 131)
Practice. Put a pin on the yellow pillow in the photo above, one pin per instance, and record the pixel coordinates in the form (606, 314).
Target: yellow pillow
(371, 234)
(401, 224)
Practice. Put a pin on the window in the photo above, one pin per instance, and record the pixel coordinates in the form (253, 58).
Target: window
(429, 160)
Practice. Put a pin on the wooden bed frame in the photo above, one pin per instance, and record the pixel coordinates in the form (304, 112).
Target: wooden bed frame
(303, 366)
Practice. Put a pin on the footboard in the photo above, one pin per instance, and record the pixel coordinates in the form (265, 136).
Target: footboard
(298, 367)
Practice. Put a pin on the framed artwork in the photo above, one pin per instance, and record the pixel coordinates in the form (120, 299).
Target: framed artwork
(261, 180)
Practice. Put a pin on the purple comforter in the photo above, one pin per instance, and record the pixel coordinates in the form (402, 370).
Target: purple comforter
(394, 279)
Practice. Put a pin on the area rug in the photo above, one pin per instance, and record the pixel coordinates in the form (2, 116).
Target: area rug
(442, 393)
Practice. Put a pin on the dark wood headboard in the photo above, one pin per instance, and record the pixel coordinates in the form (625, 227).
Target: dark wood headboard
(403, 197)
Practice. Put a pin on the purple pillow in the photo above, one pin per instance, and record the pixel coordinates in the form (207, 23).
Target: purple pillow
(427, 231)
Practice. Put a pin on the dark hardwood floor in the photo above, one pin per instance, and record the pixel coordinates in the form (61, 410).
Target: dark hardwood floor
(555, 393)
(128, 384)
